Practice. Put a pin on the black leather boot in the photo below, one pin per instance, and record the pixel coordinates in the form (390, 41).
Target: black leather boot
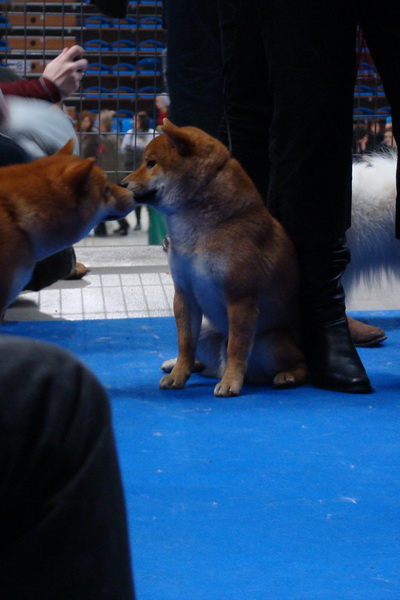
(330, 353)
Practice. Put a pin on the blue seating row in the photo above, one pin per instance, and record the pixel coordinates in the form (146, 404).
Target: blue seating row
(124, 46)
(144, 66)
(96, 91)
(97, 21)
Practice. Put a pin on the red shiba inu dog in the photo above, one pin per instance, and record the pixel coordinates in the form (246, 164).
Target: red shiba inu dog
(47, 205)
(233, 266)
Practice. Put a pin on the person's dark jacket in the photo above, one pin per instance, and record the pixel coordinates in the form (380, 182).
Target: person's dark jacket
(112, 8)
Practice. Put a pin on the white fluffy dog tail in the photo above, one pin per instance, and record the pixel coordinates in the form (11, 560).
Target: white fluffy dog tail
(371, 238)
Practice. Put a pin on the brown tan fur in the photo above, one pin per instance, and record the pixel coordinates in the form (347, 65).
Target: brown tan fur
(47, 205)
(233, 266)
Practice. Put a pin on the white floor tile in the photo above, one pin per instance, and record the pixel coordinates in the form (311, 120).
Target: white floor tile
(133, 281)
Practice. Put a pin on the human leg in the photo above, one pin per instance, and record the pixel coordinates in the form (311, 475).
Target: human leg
(63, 528)
(138, 214)
(312, 66)
(194, 74)
(49, 270)
(248, 101)
(383, 40)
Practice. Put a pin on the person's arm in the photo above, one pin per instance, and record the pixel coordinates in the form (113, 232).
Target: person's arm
(60, 78)
(42, 88)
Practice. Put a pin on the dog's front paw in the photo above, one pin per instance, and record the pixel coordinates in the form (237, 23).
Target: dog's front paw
(173, 382)
(227, 388)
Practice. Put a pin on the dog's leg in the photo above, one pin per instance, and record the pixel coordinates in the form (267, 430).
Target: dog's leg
(188, 321)
(210, 353)
(289, 363)
(242, 318)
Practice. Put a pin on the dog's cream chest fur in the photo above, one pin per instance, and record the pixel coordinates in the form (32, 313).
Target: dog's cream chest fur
(201, 277)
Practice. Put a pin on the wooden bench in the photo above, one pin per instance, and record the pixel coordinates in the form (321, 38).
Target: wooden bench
(31, 20)
(39, 43)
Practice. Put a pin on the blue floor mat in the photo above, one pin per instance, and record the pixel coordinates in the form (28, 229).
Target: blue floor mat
(273, 495)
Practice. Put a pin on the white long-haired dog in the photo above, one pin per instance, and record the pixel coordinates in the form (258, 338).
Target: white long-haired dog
(371, 238)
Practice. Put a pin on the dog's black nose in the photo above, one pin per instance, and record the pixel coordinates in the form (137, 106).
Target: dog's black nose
(122, 184)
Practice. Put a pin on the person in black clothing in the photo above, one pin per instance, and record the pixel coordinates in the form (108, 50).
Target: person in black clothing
(288, 80)
(63, 530)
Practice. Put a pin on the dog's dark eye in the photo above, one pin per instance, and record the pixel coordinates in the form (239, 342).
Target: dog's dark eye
(150, 164)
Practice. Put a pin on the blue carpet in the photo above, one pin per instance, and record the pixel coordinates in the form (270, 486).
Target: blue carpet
(274, 495)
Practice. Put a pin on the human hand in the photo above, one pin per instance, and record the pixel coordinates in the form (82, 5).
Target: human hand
(67, 70)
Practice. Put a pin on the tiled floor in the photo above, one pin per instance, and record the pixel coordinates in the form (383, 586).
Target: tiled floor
(128, 278)
(142, 288)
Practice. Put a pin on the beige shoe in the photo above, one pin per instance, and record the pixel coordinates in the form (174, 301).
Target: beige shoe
(363, 335)
(78, 272)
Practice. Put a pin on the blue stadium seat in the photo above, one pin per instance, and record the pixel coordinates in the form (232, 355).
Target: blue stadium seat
(124, 113)
(125, 124)
(148, 91)
(150, 23)
(96, 21)
(95, 91)
(150, 46)
(362, 110)
(384, 111)
(96, 45)
(363, 90)
(123, 46)
(366, 68)
(380, 91)
(123, 91)
(149, 66)
(123, 68)
(128, 22)
(98, 69)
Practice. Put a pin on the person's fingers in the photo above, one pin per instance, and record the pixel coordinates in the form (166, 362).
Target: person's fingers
(74, 53)
(80, 65)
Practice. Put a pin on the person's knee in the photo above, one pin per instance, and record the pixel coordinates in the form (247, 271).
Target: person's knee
(37, 377)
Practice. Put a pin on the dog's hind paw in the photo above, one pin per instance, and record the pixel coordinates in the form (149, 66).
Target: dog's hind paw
(168, 365)
(289, 379)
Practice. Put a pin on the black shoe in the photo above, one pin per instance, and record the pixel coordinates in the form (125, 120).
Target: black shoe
(137, 227)
(121, 231)
(330, 353)
(100, 229)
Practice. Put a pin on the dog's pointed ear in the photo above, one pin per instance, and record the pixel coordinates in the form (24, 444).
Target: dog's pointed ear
(67, 149)
(179, 138)
(78, 173)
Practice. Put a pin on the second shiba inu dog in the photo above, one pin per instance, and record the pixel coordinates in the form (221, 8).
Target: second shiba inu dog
(233, 266)
(47, 205)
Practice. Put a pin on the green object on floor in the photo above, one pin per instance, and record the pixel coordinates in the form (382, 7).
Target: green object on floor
(157, 227)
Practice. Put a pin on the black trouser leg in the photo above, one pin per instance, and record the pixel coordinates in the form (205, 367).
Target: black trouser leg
(247, 92)
(51, 269)
(383, 40)
(63, 530)
(194, 73)
(306, 82)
